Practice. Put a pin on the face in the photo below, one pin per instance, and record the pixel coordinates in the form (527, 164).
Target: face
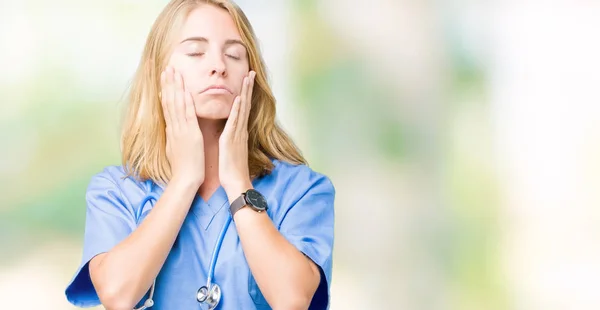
(212, 59)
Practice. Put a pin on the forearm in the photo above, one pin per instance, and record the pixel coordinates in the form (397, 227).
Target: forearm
(285, 276)
(125, 273)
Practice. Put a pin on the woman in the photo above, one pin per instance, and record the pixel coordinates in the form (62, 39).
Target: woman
(200, 145)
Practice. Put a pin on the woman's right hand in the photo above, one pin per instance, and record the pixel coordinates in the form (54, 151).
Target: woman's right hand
(185, 144)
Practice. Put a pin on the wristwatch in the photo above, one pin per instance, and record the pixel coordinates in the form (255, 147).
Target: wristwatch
(251, 198)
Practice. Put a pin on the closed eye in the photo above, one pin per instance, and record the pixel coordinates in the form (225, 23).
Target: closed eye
(195, 54)
(232, 57)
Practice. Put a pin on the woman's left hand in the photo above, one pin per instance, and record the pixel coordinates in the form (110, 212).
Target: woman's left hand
(233, 143)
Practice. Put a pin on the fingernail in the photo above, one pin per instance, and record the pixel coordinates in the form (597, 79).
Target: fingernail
(253, 74)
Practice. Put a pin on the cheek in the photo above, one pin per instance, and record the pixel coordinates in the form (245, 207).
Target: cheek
(182, 65)
(238, 80)
(237, 72)
(176, 61)
(190, 80)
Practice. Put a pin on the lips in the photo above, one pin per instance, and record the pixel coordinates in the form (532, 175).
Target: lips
(217, 89)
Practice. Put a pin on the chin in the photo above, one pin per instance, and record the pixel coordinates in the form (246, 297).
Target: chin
(213, 109)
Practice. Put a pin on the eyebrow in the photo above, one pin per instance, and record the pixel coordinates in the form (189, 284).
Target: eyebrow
(203, 39)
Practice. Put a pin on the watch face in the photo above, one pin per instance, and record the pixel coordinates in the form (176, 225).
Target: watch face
(256, 199)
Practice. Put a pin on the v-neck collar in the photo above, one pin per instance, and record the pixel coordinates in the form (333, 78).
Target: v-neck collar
(206, 210)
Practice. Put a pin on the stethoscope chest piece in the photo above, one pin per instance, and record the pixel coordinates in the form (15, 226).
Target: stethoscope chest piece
(210, 297)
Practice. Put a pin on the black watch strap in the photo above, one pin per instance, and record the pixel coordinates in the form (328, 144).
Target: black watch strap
(237, 204)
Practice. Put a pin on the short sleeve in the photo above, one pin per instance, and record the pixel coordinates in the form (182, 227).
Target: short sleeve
(309, 225)
(108, 221)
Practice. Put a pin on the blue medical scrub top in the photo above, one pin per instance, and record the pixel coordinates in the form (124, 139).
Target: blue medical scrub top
(300, 205)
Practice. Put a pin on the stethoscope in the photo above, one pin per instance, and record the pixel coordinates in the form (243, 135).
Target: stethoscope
(209, 294)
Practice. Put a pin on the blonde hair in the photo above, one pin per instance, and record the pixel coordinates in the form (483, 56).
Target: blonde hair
(143, 137)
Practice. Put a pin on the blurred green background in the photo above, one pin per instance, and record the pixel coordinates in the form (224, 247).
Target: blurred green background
(462, 138)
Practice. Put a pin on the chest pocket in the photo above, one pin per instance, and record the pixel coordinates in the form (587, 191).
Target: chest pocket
(259, 300)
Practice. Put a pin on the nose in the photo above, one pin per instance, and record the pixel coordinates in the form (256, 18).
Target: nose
(218, 66)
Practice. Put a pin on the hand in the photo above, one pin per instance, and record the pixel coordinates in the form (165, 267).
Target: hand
(185, 144)
(233, 143)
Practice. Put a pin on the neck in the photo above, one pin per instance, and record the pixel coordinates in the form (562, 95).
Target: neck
(211, 132)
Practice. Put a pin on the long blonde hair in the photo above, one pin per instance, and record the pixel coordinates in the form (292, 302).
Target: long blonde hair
(143, 137)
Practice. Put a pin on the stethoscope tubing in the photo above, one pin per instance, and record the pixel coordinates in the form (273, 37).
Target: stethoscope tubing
(213, 262)
(215, 254)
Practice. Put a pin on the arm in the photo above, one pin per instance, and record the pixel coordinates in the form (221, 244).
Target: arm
(124, 274)
(279, 262)
(286, 277)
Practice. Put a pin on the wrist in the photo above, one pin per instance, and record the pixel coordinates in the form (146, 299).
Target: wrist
(250, 199)
(235, 190)
(188, 182)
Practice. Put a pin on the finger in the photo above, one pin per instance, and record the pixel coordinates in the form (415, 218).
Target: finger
(247, 105)
(190, 110)
(243, 96)
(244, 92)
(233, 115)
(170, 98)
(179, 98)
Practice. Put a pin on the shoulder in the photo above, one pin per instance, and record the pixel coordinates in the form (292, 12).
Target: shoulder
(298, 196)
(114, 181)
(289, 183)
(109, 176)
(298, 175)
